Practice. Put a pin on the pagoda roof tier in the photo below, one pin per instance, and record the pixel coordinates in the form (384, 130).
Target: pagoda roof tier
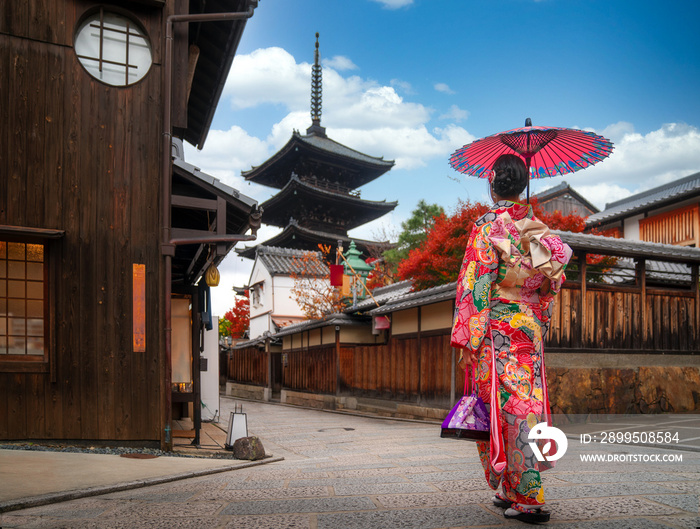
(315, 155)
(314, 205)
(300, 238)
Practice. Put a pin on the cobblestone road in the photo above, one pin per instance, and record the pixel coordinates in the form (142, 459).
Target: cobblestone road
(346, 472)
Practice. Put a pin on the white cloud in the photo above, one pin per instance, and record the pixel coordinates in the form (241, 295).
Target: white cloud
(410, 147)
(360, 113)
(403, 86)
(340, 63)
(381, 229)
(601, 194)
(268, 75)
(234, 271)
(455, 113)
(442, 87)
(394, 4)
(638, 162)
(227, 153)
(376, 107)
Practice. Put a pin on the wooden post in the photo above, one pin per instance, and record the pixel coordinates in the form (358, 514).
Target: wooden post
(337, 359)
(453, 374)
(221, 224)
(196, 350)
(694, 278)
(642, 283)
(420, 354)
(582, 268)
(269, 364)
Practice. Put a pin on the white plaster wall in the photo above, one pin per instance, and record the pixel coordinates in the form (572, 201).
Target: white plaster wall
(210, 378)
(260, 312)
(259, 325)
(632, 227)
(285, 305)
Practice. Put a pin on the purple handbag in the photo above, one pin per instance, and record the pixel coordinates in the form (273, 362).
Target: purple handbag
(469, 418)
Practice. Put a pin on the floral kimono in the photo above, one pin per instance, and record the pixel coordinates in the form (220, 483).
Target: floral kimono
(513, 267)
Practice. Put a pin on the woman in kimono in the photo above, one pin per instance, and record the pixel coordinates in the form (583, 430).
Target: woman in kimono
(512, 269)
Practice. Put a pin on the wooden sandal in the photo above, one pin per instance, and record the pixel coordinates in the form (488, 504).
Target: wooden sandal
(499, 501)
(527, 514)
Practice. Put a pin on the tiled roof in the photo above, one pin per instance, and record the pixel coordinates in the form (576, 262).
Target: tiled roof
(382, 295)
(296, 193)
(286, 261)
(177, 150)
(294, 231)
(328, 320)
(653, 198)
(657, 273)
(629, 248)
(415, 299)
(563, 189)
(367, 167)
(327, 144)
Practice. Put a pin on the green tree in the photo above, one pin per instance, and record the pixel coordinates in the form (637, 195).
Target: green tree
(414, 232)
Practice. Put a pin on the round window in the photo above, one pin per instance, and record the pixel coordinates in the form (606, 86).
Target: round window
(113, 48)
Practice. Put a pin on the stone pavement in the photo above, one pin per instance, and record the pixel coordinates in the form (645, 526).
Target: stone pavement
(346, 471)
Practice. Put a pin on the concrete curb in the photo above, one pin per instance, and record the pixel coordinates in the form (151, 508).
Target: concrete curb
(57, 497)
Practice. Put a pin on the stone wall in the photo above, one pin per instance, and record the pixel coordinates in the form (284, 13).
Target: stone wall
(623, 384)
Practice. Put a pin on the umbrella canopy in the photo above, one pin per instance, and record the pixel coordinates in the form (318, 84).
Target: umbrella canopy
(547, 151)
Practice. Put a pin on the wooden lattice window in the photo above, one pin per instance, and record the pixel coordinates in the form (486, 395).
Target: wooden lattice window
(23, 301)
(113, 48)
(680, 227)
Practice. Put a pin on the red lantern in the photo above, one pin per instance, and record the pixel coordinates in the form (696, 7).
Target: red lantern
(337, 275)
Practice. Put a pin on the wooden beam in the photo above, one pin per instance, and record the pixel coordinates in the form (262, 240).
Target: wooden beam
(221, 248)
(188, 236)
(182, 201)
(694, 278)
(582, 274)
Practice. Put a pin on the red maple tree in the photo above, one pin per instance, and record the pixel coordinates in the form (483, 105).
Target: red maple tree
(236, 321)
(439, 258)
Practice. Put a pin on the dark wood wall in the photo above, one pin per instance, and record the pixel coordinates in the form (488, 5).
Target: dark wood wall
(81, 156)
(613, 319)
(311, 369)
(247, 366)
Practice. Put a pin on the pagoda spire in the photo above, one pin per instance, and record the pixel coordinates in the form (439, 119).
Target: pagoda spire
(316, 95)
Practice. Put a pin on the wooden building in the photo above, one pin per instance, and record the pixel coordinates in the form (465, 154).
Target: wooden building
(100, 231)
(668, 214)
(565, 199)
(622, 340)
(272, 304)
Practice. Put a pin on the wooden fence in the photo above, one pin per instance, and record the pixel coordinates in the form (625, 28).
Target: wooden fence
(419, 367)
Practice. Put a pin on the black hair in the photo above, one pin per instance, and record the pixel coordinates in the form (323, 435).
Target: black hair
(511, 176)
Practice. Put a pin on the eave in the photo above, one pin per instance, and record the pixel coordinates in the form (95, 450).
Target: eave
(217, 43)
(295, 236)
(356, 168)
(204, 209)
(293, 199)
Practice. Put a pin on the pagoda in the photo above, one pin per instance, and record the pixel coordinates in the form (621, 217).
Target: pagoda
(318, 201)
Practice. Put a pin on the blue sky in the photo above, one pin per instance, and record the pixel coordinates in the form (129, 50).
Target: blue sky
(413, 80)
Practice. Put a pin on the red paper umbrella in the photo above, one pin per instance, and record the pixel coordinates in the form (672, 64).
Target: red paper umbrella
(547, 151)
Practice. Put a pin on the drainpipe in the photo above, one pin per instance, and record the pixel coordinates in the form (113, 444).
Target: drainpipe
(167, 244)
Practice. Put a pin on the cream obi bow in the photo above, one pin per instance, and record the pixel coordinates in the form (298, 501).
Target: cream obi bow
(534, 249)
